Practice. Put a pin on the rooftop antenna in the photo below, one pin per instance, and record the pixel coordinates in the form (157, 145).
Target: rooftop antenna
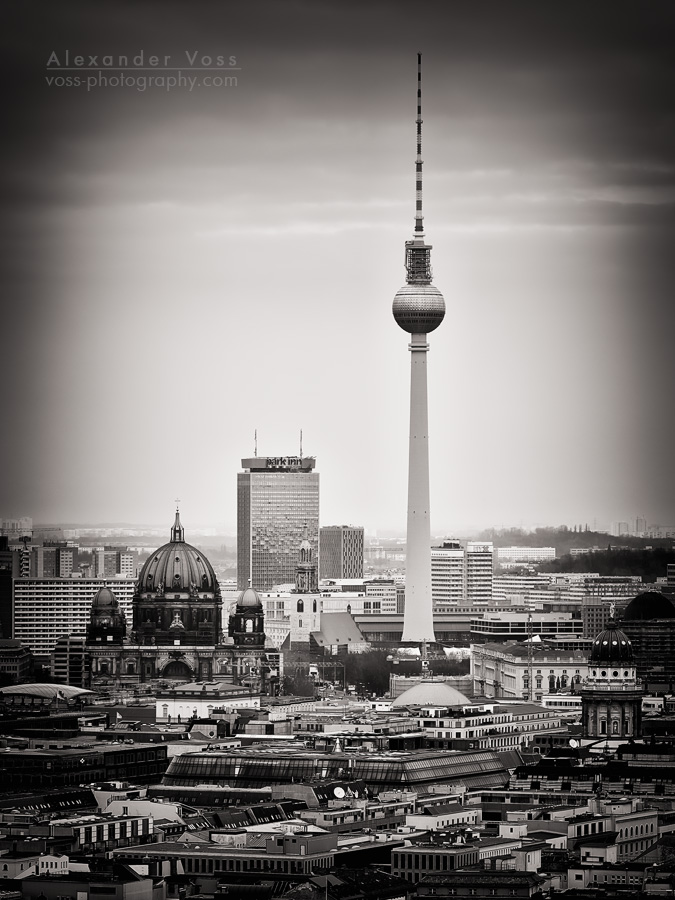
(417, 252)
(419, 223)
(255, 442)
(301, 443)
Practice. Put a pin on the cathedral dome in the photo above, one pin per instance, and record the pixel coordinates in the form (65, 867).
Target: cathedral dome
(178, 567)
(249, 598)
(107, 622)
(611, 647)
(650, 605)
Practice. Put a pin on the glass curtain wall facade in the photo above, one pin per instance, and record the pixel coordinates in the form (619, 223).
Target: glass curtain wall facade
(275, 501)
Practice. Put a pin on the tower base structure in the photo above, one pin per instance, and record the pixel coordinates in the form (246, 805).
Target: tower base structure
(418, 621)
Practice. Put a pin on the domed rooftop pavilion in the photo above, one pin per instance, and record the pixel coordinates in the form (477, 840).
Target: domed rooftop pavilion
(611, 647)
(650, 605)
(249, 598)
(104, 599)
(431, 693)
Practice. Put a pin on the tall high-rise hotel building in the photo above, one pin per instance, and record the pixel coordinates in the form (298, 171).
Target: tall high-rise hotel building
(277, 499)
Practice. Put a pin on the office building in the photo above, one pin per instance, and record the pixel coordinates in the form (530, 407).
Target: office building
(9, 568)
(503, 669)
(620, 529)
(16, 527)
(105, 562)
(277, 504)
(127, 563)
(293, 616)
(341, 551)
(478, 563)
(518, 626)
(526, 589)
(516, 556)
(245, 857)
(53, 559)
(448, 583)
(68, 660)
(660, 531)
(16, 661)
(68, 767)
(461, 574)
(43, 562)
(109, 561)
(595, 594)
(47, 608)
(418, 308)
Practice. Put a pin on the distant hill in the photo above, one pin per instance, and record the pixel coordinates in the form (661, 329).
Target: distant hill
(565, 539)
(648, 564)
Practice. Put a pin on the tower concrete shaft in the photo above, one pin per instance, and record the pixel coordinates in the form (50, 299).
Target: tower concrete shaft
(418, 622)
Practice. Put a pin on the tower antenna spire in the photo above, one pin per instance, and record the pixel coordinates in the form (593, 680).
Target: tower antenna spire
(419, 218)
(301, 443)
(417, 251)
(255, 442)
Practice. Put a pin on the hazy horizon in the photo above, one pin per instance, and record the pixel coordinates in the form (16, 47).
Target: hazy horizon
(221, 529)
(184, 267)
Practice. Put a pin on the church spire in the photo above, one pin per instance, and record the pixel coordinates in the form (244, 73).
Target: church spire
(306, 575)
(177, 533)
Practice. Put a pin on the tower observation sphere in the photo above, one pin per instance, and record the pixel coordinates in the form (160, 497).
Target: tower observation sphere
(418, 308)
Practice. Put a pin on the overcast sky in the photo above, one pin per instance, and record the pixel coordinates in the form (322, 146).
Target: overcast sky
(182, 267)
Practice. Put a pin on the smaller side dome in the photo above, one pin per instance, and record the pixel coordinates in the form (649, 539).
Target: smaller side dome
(107, 622)
(249, 597)
(610, 647)
(104, 599)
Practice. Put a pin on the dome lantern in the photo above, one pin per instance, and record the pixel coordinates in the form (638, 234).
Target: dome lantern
(177, 532)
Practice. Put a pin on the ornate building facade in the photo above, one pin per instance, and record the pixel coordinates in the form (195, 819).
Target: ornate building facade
(176, 633)
(611, 695)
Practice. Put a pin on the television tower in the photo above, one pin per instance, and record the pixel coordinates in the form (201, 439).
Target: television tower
(418, 308)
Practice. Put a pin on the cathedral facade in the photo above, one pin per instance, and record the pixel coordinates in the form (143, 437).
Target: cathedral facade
(176, 633)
